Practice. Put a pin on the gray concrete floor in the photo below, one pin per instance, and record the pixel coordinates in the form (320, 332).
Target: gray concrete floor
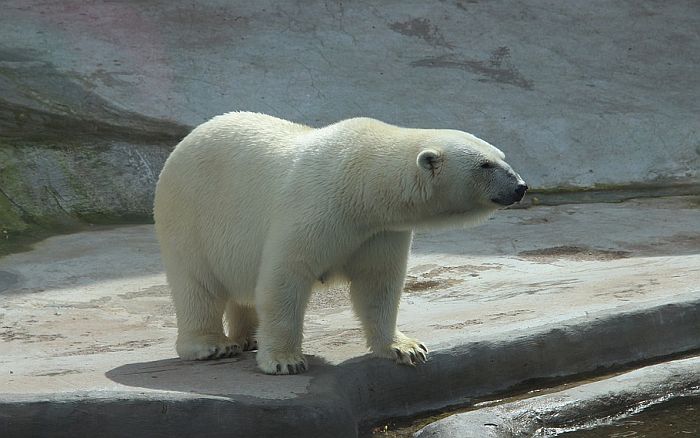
(87, 316)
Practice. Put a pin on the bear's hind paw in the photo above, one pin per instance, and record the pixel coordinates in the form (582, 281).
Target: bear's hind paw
(249, 344)
(223, 351)
(208, 351)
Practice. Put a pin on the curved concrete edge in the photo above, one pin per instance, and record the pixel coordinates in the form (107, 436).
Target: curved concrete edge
(155, 418)
(160, 415)
(594, 343)
(352, 396)
(557, 412)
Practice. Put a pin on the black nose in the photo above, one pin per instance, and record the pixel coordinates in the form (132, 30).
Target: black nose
(520, 191)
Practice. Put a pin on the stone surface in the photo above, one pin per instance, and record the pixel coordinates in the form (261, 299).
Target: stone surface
(577, 93)
(87, 326)
(576, 407)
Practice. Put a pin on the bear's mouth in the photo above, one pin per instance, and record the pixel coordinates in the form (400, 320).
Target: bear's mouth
(503, 202)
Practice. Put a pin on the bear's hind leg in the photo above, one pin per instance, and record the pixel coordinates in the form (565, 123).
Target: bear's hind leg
(200, 333)
(242, 324)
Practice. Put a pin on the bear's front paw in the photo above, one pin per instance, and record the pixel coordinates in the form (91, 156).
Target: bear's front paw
(281, 363)
(206, 348)
(405, 350)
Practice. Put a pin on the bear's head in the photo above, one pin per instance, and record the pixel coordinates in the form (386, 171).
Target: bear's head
(464, 176)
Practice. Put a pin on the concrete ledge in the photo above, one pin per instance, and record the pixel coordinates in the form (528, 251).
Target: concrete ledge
(123, 415)
(575, 407)
(341, 398)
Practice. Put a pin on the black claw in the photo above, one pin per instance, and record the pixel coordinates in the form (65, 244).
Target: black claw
(413, 357)
(279, 368)
(423, 347)
(423, 356)
(302, 366)
(291, 369)
(398, 353)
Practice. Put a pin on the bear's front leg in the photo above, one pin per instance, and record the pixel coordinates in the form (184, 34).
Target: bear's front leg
(377, 272)
(376, 303)
(281, 301)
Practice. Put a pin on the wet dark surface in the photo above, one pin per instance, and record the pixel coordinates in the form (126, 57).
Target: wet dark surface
(677, 417)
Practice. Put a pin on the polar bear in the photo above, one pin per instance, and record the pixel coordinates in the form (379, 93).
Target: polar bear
(252, 212)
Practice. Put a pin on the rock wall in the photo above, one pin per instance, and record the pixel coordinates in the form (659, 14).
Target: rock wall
(578, 94)
(67, 155)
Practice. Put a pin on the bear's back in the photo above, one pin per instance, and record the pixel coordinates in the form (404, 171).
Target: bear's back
(232, 146)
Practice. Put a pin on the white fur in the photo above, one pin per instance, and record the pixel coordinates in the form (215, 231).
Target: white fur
(252, 211)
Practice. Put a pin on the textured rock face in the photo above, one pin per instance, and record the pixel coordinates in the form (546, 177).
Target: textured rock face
(67, 154)
(577, 94)
(56, 184)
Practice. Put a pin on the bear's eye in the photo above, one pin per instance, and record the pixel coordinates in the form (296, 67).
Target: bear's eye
(486, 165)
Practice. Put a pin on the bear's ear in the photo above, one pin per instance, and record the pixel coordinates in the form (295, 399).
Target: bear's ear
(430, 160)
(499, 152)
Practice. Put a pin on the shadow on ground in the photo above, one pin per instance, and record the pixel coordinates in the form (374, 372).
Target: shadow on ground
(238, 376)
